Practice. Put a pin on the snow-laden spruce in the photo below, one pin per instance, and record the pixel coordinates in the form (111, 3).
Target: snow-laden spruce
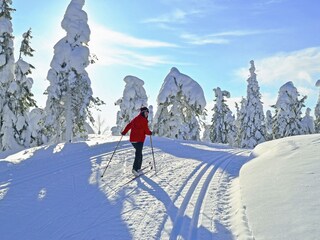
(134, 97)
(252, 130)
(7, 62)
(181, 103)
(308, 123)
(206, 133)
(20, 92)
(269, 134)
(69, 92)
(37, 129)
(222, 128)
(240, 116)
(287, 119)
(317, 111)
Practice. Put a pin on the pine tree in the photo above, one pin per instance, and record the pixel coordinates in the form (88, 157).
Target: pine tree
(7, 118)
(181, 103)
(69, 93)
(240, 121)
(269, 133)
(206, 133)
(37, 127)
(253, 121)
(222, 128)
(287, 119)
(317, 111)
(308, 123)
(21, 95)
(150, 116)
(134, 97)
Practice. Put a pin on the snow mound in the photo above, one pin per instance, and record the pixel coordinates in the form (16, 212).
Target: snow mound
(280, 188)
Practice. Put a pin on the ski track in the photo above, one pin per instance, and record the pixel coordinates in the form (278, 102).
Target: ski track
(197, 207)
(192, 202)
(184, 199)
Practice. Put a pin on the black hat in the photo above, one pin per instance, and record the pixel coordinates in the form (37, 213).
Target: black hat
(144, 109)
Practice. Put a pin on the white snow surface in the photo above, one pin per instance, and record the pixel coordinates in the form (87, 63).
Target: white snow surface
(199, 191)
(281, 189)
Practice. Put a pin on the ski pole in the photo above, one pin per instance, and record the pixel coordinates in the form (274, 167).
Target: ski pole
(111, 157)
(154, 162)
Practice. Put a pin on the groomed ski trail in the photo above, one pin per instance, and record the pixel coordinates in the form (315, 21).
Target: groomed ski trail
(187, 198)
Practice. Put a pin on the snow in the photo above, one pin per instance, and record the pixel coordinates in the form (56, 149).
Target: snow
(191, 89)
(23, 66)
(2, 59)
(286, 89)
(75, 21)
(5, 26)
(201, 191)
(281, 188)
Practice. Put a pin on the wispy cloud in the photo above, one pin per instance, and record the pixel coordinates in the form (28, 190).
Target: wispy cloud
(100, 34)
(301, 67)
(220, 37)
(203, 40)
(114, 47)
(176, 16)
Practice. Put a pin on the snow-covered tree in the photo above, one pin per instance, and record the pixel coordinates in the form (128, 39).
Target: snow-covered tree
(134, 97)
(7, 117)
(69, 93)
(206, 133)
(269, 134)
(181, 103)
(36, 127)
(241, 114)
(317, 111)
(287, 119)
(223, 123)
(254, 130)
(308, 123)
(150, 116)
(21, 97)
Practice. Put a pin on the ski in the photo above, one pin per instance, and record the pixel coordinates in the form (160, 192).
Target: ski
(136, 177)
(144, 168)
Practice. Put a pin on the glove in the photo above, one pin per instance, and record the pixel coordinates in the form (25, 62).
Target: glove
(122, 133)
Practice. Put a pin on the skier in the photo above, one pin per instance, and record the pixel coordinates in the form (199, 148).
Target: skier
(139, 130)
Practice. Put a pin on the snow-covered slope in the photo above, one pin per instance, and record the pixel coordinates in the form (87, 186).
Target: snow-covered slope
(281, 190)
(55, 192)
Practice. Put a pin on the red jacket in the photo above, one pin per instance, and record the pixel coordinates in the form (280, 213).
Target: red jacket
(139, 129)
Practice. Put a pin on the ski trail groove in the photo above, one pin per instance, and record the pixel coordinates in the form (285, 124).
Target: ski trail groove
(165, 228)
(190, 205)
(201, 201)
(183, 218)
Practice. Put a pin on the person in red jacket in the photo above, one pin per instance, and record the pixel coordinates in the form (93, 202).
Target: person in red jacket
(139, 129)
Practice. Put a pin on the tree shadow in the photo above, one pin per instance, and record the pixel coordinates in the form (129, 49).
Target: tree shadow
(172, 213)
(202, 151)
(52, 198)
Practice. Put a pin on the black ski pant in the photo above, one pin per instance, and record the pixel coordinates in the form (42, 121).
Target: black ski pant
(138, 155)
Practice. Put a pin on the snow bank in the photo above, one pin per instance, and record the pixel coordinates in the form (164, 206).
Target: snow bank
(280, 188)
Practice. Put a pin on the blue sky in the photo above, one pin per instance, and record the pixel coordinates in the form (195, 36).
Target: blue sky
(211, 41)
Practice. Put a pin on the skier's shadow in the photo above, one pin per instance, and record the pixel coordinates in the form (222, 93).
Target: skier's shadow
(172, 212)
